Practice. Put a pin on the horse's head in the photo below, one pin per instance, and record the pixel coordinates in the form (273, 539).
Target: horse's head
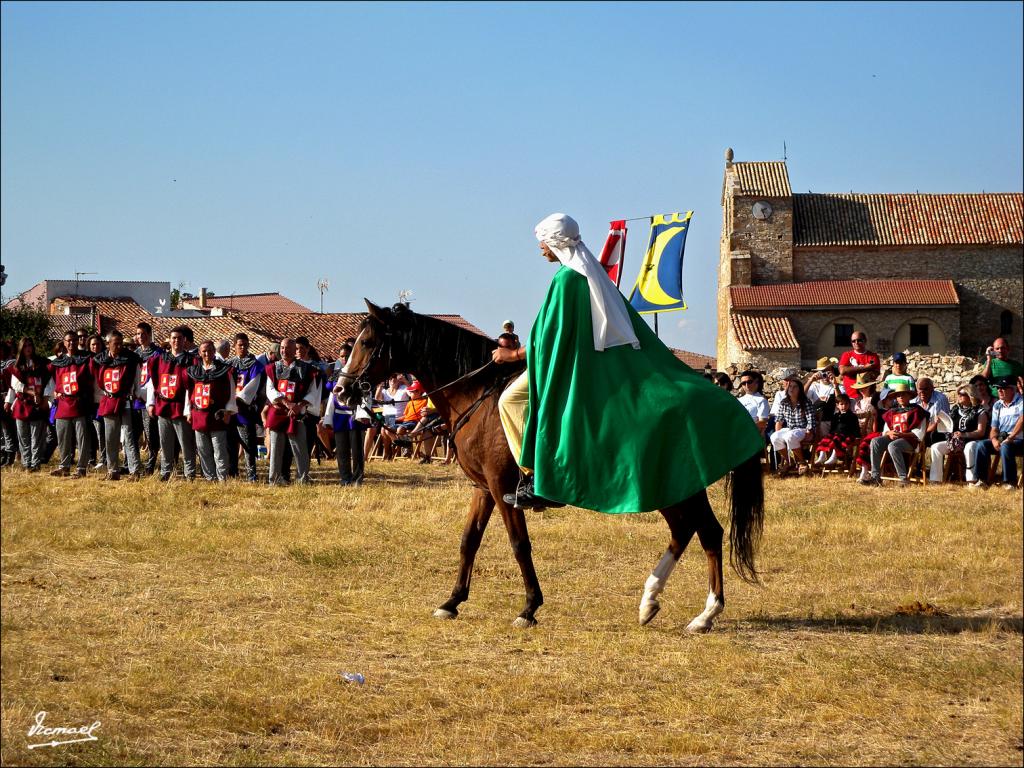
(378, 351)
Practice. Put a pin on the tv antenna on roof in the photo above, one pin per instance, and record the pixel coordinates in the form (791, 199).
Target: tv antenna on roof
(403, 296)
(78, 275)
(322, 285)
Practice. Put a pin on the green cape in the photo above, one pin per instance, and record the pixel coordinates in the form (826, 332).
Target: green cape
(624, 430)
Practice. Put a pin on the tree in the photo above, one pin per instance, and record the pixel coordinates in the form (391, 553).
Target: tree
(25, 320)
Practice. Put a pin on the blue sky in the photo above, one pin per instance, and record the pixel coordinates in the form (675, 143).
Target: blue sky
(259, 147)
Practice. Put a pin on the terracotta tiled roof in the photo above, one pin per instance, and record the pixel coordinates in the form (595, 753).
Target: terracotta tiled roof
(325, 332)
(695, 360)
(847, 293)
(253, 302)
(757, 332)
(985, 219)
(770, 179)
(212, 328)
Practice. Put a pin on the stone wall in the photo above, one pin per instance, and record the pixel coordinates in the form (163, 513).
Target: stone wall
(948, 372)
(988, 280)
(770, 242)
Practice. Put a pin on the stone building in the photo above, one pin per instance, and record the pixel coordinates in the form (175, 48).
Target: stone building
(927, 273)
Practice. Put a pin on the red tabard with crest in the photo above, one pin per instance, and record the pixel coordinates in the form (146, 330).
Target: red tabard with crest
(208, 397)
(292, 391)
(25, 406)
(115, 379)
(73, 387)
(169, 383)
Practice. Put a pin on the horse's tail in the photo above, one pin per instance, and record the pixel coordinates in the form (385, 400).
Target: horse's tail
(745, 489)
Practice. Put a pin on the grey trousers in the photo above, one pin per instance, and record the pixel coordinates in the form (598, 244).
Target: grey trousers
(118, 428)
(72, 434)
(177, 431)
(348, 450)
(299, 447)
(212, 448)
(898, 450)
(8, 433)
(31, 441)
(101, 442)
(143, 423)
(250, 445)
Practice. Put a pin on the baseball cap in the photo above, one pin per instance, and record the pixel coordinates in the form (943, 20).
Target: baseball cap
(899, 357)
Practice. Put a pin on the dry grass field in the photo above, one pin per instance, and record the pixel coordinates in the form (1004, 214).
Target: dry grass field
(211, 625)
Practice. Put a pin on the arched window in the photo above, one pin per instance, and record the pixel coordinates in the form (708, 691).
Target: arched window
(1005, 322)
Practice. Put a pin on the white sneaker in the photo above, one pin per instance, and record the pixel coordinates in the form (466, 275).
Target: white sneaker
(831, 460)
(978, 484)
(1010, 488)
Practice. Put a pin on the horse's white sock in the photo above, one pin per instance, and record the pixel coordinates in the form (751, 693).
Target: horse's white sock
(655, 583)
(831, 459)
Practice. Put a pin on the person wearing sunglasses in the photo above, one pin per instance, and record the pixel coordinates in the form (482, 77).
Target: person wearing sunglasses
(858, 360)
(753, 400)
(970, 425)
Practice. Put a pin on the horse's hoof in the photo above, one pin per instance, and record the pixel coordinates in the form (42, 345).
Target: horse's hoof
(521, 622)
(648, 611)
(698, 627)
(443, 613)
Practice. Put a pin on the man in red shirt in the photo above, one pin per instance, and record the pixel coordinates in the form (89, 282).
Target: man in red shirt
(858, 360)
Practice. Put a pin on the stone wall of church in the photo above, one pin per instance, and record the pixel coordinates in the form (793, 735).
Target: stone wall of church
(988, 280)
(770, 242)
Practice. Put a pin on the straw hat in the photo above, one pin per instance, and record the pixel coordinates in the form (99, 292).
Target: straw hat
(864, 381)
(825, 363)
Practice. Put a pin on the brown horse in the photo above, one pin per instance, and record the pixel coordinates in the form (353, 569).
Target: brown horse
(452, 364)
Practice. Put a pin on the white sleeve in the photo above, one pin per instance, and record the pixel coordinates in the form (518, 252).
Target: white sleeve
(313, 397)
(16, 385)
(150, 393)
(188, 405)
(50, 388)
(248, 393)
(763, 411)
(328, 418)
(10, 394)
(272, 393)
(232, 406)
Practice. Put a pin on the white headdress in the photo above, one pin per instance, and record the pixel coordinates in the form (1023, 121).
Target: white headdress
(612, 326)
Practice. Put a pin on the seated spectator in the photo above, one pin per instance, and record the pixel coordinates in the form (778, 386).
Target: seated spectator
(389, 399)
(413, 413)
(935, 403)
(983, 398)
(1005, 435)
(883, 402)
(899, 372)
(843, 435)
(821, 392)
(904, 429)
(751, 398)
(795, 421)
(998, 364)
(723, 380)
(866, 406)
(970, 425)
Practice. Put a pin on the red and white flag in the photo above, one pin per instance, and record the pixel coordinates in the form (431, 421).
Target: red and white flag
(613, 252)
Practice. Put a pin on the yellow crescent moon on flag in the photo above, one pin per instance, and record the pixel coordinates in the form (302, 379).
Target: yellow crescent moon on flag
(648, 284)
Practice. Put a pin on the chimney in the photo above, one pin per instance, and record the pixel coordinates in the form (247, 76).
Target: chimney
(202, 298)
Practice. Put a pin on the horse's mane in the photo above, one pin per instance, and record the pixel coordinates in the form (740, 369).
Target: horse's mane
(439, 349)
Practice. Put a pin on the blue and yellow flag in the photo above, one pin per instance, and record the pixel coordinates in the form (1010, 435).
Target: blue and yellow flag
(659, 286)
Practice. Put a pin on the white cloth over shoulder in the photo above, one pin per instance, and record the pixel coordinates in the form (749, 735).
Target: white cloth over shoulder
(612, 326)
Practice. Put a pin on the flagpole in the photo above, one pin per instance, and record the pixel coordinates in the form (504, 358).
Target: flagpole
(656, 325)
